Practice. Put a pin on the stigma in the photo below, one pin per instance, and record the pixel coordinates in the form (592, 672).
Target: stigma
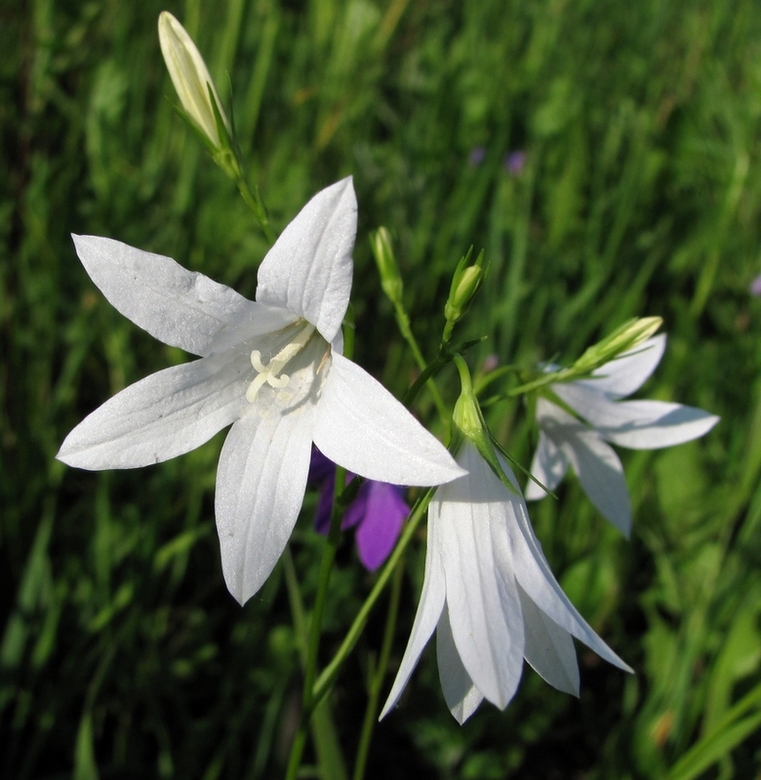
(271, 373)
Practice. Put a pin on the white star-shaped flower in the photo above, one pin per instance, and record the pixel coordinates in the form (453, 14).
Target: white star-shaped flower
(273, 368)
(491, 597)
(582, 443)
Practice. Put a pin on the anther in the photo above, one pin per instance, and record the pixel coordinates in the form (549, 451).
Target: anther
(270, 373)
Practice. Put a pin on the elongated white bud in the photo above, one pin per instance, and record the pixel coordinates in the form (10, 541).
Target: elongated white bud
(191, 78)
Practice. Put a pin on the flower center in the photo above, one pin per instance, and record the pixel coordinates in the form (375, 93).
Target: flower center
(270, 373)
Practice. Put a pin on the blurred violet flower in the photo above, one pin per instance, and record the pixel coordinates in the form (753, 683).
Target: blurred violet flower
(378, 511)
(476, 156)
(515, 162)
(490, 363)
(755, 286)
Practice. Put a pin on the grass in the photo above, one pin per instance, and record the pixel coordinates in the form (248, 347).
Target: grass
(121, 654)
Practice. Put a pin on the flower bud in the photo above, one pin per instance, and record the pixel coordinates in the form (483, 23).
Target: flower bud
(192, 81)
(391, 279)
(623, 339)
(465, 283)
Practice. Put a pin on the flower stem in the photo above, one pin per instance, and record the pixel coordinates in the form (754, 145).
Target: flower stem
(403, 321)
(309, 701)
(378, 675)
(254, 202)
(329, 674)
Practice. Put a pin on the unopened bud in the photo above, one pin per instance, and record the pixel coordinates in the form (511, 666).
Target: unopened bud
(465, 283)
(623, 339)
(383, 251)
(192, 81)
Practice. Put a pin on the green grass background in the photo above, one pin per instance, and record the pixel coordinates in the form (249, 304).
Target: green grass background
(121, 653)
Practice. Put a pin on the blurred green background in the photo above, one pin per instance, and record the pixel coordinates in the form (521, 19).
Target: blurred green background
(121, 653)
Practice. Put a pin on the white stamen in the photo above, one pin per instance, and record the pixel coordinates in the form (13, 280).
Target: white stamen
(270, 373)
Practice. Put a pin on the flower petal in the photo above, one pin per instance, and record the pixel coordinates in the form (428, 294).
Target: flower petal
(649, 425)
(261, 480)
(162, 416)
(596, 464)
(535, 577)
(549, 648)
(432, 599)
(362, 427)
(641, 425)
(308, 271)
(627, 373)
(179, 307)
(461, 695)
(384, 512)
(548, 466)
(484, 609)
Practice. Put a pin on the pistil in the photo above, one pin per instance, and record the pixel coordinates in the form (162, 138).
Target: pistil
(270, 373)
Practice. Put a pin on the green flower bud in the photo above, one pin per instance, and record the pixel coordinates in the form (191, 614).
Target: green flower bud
(623, 339)
(465, 284)
(391, 279)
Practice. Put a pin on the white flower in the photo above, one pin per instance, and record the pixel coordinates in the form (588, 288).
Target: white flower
(190, 77)
(272, 368)
(489, 593)
(641, 425)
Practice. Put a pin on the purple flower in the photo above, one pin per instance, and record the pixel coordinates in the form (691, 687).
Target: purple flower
(476, 156)
(515, 162)
(755, 287)
(378, 511)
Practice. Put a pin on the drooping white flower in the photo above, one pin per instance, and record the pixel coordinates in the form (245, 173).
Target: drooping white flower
(273, 368)
(190, 77)
(582, 443)
(491, 597)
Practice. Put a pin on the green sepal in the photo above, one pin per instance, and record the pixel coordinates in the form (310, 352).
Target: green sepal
(468, 422)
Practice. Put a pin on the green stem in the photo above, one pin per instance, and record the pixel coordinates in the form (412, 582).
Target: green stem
(378, 676)
(309, 701)
(329, 674)
(425, 376)
(404, 327)
(254, 202)
(297, 606)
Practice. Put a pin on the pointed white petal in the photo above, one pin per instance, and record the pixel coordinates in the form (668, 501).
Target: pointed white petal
(550, 463)
(596, 464)
(549, 648)
(624, 375)
(308, 271)
(179, 307)
(535, 577)
(261, 479)
(637, 424)
(159, 417)
(602, 476)
(429, 609)
(484, 609)
(362, 427)
(461, 696)
(649, 425)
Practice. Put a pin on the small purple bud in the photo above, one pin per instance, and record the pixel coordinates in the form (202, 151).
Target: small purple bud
(755, 286)
(490, 363)
(515, 162)
(477, 154)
